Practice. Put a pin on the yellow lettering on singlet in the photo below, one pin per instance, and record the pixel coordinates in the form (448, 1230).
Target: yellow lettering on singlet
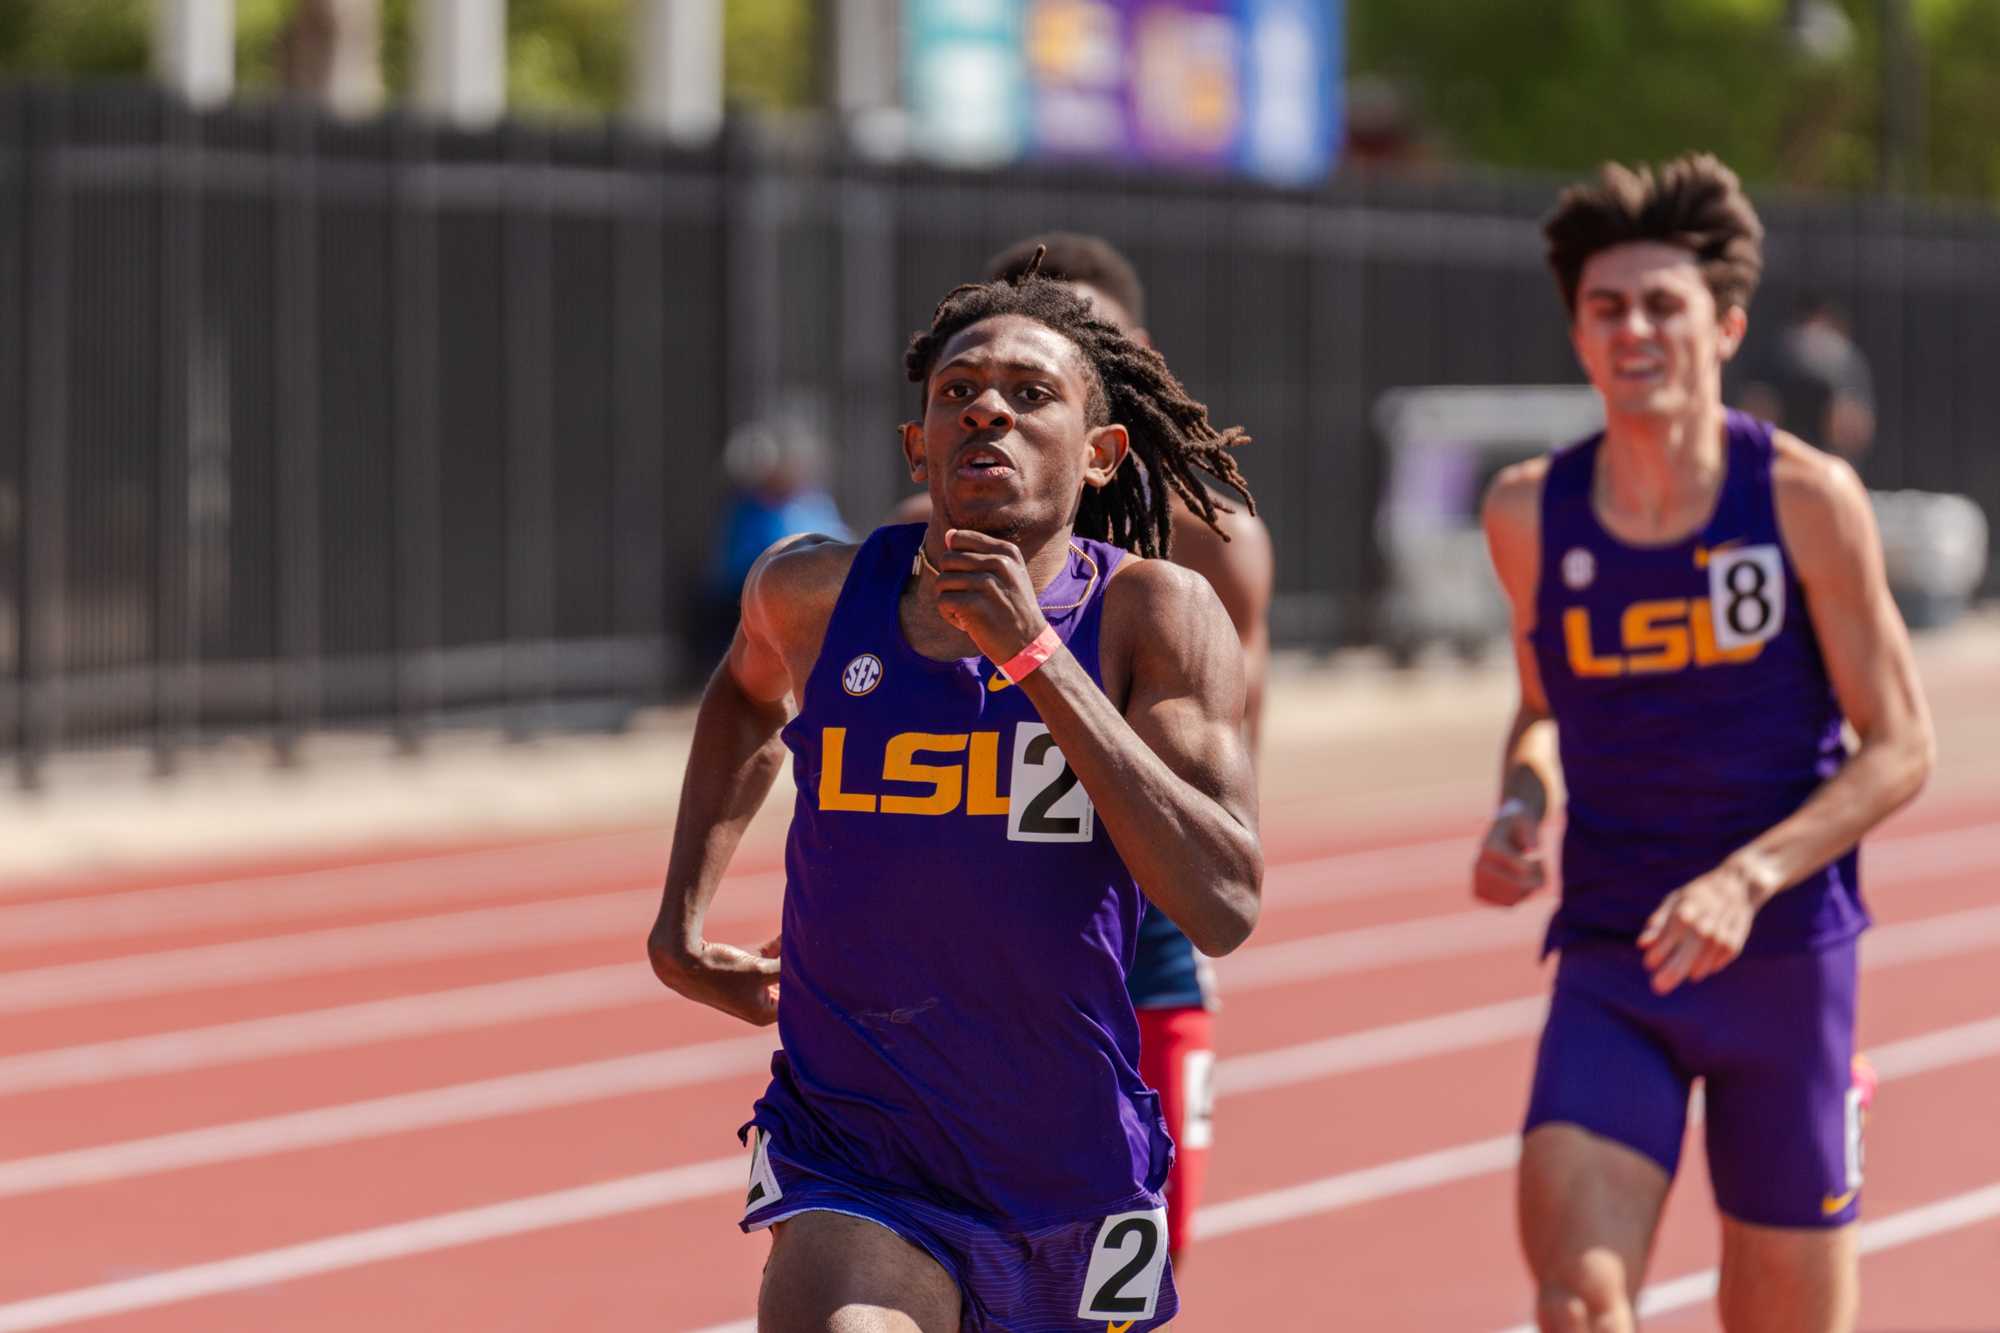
(982, 776)
(1656, 636)
(832, 748)
(945, 780)
(1583, 660)
(1706, 653)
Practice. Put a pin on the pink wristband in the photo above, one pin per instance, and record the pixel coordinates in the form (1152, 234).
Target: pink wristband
(1039, 650)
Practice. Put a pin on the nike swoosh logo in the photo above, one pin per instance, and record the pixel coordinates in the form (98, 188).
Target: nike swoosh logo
(1119, 1328)
(1830, 1205)
(996, 683)
(1703, 554)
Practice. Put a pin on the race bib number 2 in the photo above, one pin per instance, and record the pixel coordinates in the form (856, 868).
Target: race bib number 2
(763, 1180)
(1127, 1263)
(1048, 803)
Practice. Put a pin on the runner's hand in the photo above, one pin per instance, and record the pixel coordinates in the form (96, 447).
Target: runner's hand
(740, 983)
(1699, 928)
(984, 589)
(1510, 864)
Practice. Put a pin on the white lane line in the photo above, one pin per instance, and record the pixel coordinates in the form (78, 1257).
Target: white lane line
(1931, 937)
(604, 915)
(725, 1175)
(428, 882)
(1377, 1047)
(1427, 938)
(615, 985)
(1331, 1193)
(456, 1104)
(1963, 1044)
(355, 1248)
(76, 884)
(1351, 1052)
(463, 1008)
(1466, 934)
(1937, 1050)
(305, 953)
(676, 1067)
(496, 873)
(340, 948)
(1941, 1217)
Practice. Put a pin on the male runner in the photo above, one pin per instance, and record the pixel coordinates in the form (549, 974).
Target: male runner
(1698, 602)
(1172, 986)
(1008, 731)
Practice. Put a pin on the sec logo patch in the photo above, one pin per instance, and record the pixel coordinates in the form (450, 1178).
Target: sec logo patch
(1579, 568)
(863, 674)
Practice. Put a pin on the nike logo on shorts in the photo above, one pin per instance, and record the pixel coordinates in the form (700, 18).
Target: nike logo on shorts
(1833, 1203)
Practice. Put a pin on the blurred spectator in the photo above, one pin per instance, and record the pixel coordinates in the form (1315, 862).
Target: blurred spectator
(776, 468)
(1818, 386)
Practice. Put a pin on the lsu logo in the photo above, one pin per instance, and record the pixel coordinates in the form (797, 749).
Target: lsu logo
(1672, 634)
(1045, 803)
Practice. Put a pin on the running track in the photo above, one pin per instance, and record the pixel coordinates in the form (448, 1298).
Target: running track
(444, 1092)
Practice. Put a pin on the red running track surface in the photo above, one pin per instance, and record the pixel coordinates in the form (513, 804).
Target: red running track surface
(442, 1091)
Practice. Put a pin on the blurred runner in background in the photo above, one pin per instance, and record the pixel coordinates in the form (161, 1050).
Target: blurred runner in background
(1698, 605)
(1819, 385)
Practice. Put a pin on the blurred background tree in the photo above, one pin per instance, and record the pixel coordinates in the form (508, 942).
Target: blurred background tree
(1789, 91)
(564, 56)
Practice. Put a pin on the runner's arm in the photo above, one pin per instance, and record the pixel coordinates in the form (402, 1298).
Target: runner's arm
(1170, 776)
(734, 758)
(1242, 571)
(1829, 529)
(1510, 866)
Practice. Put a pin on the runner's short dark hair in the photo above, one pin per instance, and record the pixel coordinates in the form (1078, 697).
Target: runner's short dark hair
(1694, 202)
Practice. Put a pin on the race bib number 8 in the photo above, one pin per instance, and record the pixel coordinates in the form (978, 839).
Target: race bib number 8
(1126, 1264)
(1046, 803)
(1746, 590)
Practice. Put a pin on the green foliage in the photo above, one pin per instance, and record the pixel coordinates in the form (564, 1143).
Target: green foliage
(1564, 84)
(1964, 98)
(770, 53)
(1552, 85)
(567, 55)
(99, 38)
(562, 55)
(259, 23)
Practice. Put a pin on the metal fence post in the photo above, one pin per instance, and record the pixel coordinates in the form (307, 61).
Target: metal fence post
(638, 469)
(528, 306)
(415, 477)
(295, 475)
(175, 703)
(42, 623)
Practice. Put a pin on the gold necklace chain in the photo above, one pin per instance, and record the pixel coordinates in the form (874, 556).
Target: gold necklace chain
(924, 557)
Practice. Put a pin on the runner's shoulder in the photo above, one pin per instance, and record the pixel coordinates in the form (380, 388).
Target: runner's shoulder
(793, 586)
(1513, 502)
(1155, 591)
(1820, 498)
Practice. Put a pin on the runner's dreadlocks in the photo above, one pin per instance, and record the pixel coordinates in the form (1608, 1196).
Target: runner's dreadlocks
(1131, 385)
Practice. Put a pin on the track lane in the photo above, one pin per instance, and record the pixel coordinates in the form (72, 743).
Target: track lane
(1354, 991)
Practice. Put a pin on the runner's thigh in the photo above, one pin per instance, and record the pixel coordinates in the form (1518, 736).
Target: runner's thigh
(832, 1273)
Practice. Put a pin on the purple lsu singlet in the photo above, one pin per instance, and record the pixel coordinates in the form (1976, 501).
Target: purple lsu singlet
(1692, 706)
(957, 928)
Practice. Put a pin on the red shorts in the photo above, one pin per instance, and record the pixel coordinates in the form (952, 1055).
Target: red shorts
(1177, 1060)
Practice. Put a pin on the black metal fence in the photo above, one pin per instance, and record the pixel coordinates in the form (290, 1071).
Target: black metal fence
(307, 424)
